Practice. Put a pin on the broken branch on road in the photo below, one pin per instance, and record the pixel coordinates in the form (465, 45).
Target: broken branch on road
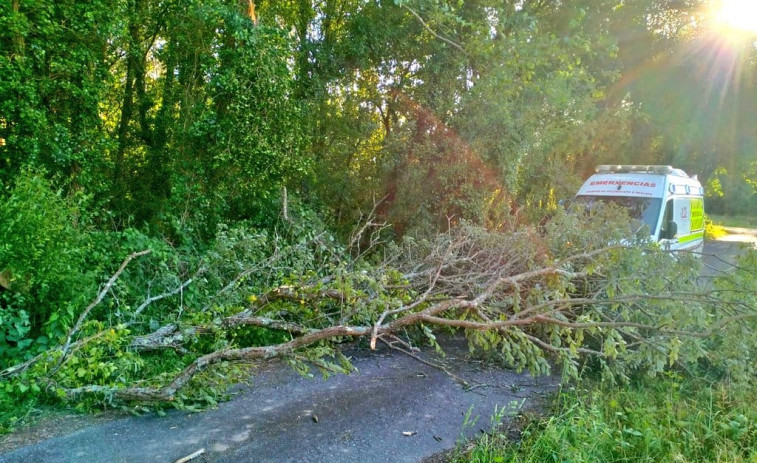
(521, 296)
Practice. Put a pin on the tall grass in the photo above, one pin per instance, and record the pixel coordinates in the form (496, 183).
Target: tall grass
(741, 221)
(654, 421)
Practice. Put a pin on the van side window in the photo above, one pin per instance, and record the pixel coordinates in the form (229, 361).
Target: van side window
(666, 218)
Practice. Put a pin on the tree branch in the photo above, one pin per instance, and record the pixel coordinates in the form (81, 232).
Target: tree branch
(432, 32)
(97, 301)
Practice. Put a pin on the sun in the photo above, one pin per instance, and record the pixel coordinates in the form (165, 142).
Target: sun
(737, 15)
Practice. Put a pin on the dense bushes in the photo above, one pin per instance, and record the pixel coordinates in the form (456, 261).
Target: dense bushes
(55, 263)
(43, 262)
(53, 259)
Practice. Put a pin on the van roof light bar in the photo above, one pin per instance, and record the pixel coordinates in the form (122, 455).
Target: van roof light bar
(647, 169)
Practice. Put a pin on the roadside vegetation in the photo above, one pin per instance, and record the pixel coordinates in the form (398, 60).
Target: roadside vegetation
(671, 418)
(703, 412)
(188, 187)
(737, 221)
(713, 228)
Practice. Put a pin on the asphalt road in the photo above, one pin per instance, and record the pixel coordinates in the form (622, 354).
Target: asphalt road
(364, 416)
(720, 256)
(283, 417)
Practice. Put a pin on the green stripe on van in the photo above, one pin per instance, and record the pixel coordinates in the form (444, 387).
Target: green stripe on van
(692, 237)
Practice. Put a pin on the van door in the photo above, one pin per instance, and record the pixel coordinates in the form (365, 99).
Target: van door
(683, 224)
(691, 229)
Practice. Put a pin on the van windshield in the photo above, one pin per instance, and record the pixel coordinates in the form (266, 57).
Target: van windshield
(645, 209)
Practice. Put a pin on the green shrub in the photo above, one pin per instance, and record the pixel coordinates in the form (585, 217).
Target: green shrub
(712, 229)
(42, 257)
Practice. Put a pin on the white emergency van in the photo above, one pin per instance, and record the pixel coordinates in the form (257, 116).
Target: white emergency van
(667, 200)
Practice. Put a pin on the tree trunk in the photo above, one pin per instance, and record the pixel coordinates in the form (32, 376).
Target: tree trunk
(18, 40)
(133, 55)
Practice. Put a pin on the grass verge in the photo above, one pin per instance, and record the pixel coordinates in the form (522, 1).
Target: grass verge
(739, 221)
(667, 419)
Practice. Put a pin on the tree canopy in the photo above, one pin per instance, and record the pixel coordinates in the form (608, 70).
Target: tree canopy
(159, 107)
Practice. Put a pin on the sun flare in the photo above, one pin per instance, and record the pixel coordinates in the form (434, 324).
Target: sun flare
(739, 15)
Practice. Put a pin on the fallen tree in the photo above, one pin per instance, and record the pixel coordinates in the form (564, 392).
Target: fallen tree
(533, 299)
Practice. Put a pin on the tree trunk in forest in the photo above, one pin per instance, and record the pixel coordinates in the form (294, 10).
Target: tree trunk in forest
(158, 157)
(18, 40)
(143, 101)
(133, 68)
(127, 108)
(305, 14)
(251, 11)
